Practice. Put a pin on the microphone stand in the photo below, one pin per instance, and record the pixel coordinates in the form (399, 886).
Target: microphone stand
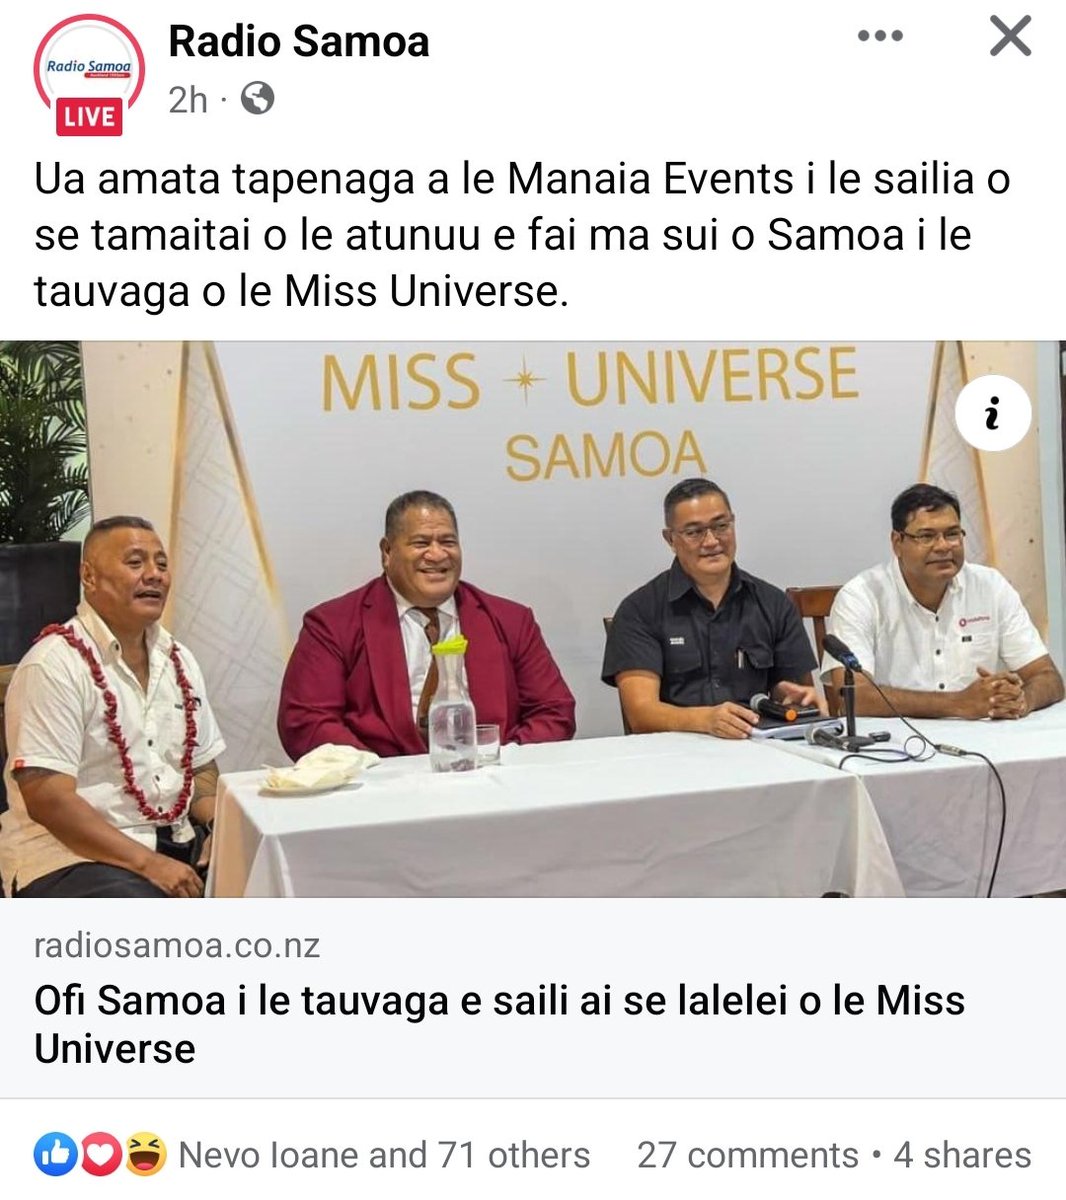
(852, 740)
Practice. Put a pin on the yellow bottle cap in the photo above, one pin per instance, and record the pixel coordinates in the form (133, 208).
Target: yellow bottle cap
(453, 645)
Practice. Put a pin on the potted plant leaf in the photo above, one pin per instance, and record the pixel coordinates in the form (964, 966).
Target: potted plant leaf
(44, 487)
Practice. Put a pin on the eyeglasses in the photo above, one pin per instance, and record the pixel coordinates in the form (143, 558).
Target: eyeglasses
(693, 535)
(930, 537)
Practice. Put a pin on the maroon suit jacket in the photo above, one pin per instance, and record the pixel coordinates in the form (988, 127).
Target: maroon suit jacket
(347, 681)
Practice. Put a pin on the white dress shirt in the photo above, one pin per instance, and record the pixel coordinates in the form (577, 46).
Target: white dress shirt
(415, 643)
(981, 622)
(55, 720)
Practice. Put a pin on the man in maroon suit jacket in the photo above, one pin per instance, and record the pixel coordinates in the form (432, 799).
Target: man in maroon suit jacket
(360, 663)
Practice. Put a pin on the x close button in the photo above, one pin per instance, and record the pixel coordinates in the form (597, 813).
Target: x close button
(1010, 35)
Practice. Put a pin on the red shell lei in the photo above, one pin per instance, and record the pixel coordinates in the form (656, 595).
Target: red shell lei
(117, 738)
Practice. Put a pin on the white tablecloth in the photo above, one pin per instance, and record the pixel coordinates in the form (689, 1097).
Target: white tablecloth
(658, 815)
(942, 817)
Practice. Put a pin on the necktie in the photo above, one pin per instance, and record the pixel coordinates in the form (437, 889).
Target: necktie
(429, 688)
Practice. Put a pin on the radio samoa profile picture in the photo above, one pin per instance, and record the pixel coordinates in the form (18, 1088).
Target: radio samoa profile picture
(89, 69)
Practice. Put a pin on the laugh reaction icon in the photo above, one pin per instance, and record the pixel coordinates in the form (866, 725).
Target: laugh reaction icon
(147, 1152)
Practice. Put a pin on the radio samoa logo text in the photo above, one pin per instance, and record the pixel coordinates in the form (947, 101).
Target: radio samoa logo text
(90, 69)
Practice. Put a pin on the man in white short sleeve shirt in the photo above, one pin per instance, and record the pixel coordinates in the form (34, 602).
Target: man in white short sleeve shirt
(111, 740)
(942, 637)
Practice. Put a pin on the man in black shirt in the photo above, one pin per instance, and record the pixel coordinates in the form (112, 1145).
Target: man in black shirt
(688, 650)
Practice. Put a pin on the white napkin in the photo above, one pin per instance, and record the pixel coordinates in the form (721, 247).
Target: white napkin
(324, 767)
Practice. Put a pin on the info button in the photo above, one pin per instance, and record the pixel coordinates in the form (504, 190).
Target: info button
(993, 412)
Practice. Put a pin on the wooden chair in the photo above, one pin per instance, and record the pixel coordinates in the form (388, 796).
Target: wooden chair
(607, 622)
(813, 604)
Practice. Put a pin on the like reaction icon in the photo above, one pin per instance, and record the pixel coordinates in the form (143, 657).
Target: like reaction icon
(55, 1153)
(100, 1153)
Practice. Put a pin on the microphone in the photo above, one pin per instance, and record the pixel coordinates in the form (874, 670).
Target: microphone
(768, 707)
(836, 648)
(819, 735)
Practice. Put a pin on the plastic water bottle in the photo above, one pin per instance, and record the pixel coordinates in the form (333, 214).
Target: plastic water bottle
(452, 720)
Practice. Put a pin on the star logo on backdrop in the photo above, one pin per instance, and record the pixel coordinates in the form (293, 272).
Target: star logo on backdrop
(525, 380)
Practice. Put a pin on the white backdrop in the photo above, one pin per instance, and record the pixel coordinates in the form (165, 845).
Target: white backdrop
(810, 479)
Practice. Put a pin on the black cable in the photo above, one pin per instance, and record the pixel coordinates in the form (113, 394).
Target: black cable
(958, 752)
(954, 752)
(900, 755)
(879, 756)
(915, 731)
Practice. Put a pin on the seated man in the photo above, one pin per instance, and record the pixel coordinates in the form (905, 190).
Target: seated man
(942, 637)
(111, 741)
(360, 674)
(688, 650)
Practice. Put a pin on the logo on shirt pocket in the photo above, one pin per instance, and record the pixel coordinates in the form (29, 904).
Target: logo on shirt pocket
(964, 621)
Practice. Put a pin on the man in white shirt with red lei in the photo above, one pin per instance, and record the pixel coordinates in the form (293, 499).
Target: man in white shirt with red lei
(942, 637)
(111, 774)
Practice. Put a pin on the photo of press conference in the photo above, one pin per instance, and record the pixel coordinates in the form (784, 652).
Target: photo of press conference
(536, 620)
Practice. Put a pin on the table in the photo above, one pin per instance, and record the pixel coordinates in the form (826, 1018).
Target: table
(653, 815)
(942, 817)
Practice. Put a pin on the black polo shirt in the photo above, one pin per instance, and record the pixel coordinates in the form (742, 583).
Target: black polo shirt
(706, 655)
